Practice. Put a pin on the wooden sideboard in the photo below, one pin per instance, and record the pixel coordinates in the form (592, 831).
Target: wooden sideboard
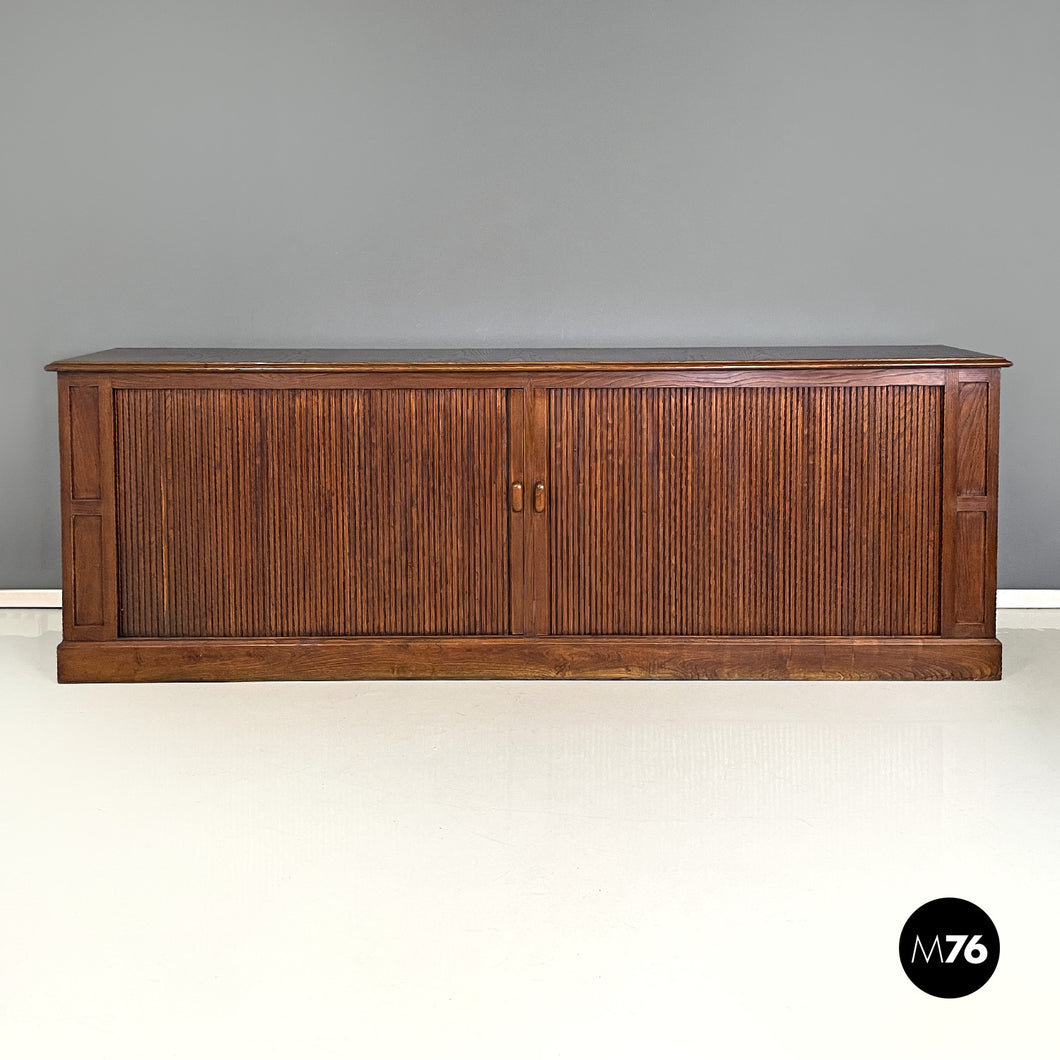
(806, 512)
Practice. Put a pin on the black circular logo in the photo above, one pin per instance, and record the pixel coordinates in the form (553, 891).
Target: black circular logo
(949, 947)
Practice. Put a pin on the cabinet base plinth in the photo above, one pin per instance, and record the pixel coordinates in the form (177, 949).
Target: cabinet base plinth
(513, 658)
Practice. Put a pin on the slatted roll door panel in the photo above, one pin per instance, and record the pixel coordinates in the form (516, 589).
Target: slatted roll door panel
(753, 511)
(324, 512)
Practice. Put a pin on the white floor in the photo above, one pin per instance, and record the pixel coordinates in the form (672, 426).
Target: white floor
(520, 869)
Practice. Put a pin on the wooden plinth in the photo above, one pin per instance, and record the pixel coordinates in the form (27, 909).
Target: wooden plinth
(660, 658)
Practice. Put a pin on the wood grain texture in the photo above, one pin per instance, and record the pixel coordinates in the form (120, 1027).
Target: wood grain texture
(663, 658)
(86, 447)
(970, 592)
(600, 376)
(766, 512)
(539, 519)
(89, 589)
(324, 361)
(972, 442)
(804, 517)
(517, 515)
(993, 430)
(312, 512)
(85, 457)
(970, 461)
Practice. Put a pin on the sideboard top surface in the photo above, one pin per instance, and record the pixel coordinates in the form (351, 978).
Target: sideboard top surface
(831, 357)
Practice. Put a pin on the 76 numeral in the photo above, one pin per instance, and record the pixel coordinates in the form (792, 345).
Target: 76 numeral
(974, 952)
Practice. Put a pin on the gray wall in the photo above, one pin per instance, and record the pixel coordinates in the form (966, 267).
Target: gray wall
(528, 172)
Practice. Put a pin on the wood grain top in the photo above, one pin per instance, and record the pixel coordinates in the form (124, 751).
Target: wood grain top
(330, 360)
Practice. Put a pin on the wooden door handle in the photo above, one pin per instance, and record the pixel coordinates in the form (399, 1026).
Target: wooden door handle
(517, 496)
(539, 497)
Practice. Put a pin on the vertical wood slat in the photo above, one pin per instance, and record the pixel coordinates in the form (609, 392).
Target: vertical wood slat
(517, 519)
(107, 507)
(782, 511)
(312, 512)
(538, 570)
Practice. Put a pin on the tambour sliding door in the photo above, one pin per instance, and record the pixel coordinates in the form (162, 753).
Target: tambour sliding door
(312, 512)
(745, 511)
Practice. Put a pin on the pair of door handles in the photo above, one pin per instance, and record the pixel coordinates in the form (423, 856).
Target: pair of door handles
(517, 496)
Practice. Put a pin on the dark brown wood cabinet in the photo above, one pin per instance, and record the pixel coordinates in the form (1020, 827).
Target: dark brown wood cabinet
(807, 512)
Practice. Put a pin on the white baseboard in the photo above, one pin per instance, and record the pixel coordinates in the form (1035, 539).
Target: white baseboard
(31, 598)
(1006, 598)
(1016, 598)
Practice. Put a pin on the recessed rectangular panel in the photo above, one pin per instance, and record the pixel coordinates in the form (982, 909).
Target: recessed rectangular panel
(84, 443)
(773, 511)
(334, 512)
(972, 401)
(970, 590)
(88, 570)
